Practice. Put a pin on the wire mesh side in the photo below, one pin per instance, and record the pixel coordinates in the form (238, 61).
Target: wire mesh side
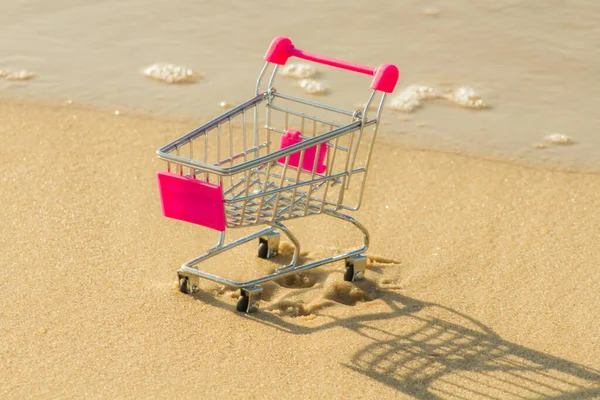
(274, 189)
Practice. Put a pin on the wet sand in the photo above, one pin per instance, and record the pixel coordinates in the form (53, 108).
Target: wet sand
(534, 62)
(483, 280)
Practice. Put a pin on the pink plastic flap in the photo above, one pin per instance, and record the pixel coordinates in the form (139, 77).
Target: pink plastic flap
(192, 200)
(292, 137)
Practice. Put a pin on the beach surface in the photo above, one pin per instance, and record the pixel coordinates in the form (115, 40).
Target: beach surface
(483, 278)
(533, 63)
(484, 262)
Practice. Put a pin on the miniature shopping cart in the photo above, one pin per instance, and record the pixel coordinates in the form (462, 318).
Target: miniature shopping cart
(271, 159)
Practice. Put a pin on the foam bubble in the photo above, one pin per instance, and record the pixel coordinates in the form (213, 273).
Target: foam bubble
(170, 73)
(312, 86)
(431, 12)
(22, 75)
(465, 96)
(3, 73)
(411, 98)
(559, 138)
(299, 71)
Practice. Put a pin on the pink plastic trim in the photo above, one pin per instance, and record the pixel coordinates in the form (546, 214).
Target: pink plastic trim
(385, 79)
(305, 55)
(191, 200)
(385, 76)
(291, 138)
(279, 51)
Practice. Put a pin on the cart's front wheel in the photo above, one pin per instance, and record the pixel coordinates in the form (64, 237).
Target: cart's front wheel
(188, 285)
(184, 285)
(242, 303)
(268, 245)
(249, 300)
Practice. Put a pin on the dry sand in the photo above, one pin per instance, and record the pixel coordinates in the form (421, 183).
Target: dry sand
(483, 281)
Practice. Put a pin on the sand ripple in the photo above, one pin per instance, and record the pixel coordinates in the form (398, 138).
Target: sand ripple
(305, 295)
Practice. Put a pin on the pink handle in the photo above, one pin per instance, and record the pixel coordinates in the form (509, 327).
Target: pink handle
(385, 76)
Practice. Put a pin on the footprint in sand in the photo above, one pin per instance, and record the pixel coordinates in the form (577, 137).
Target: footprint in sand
(301, 280)
(304, 294)
(328, 289)
(380, 261)
(388, 269)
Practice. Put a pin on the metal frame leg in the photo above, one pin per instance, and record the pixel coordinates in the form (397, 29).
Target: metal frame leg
(360, 226)
(356, 265)
(251, 290)
(294, 241)
(188, 268)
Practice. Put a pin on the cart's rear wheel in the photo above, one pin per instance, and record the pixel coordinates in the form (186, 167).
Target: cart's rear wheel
(268, 245)
(263, 249)
(349, 273)
(184, 285)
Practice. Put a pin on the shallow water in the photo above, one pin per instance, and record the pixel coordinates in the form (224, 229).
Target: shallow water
(535, 63)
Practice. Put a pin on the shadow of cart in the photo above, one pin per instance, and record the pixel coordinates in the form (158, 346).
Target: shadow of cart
(435, 352)
(447, 355)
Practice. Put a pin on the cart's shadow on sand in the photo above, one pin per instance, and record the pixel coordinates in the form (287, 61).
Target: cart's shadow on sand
(440, 353)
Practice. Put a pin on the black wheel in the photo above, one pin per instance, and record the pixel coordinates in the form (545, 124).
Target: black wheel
(263, 250)
(242, 304)
(349, 274)
(184, 285)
